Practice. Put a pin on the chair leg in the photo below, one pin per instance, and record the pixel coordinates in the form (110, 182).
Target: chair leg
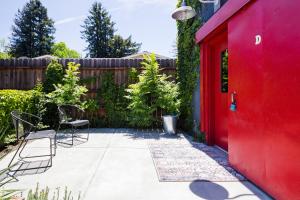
(51, 154)
(88, 132)
(55, 145)
(73, 132)
(20, 154)
(10, 163)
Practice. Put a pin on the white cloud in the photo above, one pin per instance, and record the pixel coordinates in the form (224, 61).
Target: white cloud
(69, 19)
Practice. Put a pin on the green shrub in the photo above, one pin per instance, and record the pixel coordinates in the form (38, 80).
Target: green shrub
(26, 101)
(69, 91)
(115, 103)
(169, 97)
(54, 75)
(150, 95)
(133, 76)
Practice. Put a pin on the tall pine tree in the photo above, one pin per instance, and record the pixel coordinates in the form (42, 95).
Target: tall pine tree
(33, 31)
(99, 33)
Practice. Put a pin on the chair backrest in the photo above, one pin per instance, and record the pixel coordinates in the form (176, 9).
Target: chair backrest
(65, 113)
(22, 127)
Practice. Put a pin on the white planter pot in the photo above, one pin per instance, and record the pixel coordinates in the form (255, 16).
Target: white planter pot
(169, 123)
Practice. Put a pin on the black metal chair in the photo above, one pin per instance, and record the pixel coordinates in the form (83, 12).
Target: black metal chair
(26, 130)
(71, 117)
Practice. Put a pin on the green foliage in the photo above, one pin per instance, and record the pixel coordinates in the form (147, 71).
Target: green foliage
(188, 62)
(133, 76)
(26, 101)
(115, 103)
(4, 55)
(120, 47)
(98, 32)
(53, 76)
(69, 92)
(43, 194)
(169, 97)
(150, 95)
(38, 100)
(33, 31)
(61, 50)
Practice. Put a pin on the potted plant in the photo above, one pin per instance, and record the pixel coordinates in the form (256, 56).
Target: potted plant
(170, 104)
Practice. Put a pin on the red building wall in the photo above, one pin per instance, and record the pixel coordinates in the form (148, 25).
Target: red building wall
(264, 133)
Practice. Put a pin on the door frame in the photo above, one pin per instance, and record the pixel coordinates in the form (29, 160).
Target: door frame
(207, 83)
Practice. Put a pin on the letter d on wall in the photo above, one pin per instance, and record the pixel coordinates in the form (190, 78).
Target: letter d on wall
(258, 39)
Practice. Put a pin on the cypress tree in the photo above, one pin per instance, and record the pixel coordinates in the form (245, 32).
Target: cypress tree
(99, 33)
(33, 31)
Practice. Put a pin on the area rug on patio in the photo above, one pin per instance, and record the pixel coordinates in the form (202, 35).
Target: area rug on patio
(178, 158)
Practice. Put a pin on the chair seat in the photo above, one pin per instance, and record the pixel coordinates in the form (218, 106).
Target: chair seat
(77, 123)
(41, 135)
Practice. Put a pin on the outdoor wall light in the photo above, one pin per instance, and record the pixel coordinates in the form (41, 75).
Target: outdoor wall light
(185, 12)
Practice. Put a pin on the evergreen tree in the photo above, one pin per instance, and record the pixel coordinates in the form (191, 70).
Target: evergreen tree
(33, 31)
(99, 34)
(123, 47)
(98, 31)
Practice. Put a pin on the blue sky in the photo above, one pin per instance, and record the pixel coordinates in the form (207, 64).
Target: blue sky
(148, 21)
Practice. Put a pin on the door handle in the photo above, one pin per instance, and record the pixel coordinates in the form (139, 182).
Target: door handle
(233, 106)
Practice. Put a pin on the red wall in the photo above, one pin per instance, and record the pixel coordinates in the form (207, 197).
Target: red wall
(264, 133)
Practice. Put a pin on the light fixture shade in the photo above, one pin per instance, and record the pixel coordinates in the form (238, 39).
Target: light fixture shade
(184, 13)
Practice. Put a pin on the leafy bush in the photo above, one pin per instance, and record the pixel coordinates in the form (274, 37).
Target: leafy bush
(69, 92)
(133, 76)
(115, 103)
(53, 76)
(150, 95)
(169, 97)
(26, 101)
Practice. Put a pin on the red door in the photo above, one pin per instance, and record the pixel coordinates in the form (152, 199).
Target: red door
(220, 90)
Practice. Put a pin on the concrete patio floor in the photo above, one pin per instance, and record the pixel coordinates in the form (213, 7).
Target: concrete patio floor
(116, 165)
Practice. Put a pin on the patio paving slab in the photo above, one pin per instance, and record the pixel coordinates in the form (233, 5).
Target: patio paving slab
(117, 164)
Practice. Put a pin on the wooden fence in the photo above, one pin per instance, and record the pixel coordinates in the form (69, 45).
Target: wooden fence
(24, 74)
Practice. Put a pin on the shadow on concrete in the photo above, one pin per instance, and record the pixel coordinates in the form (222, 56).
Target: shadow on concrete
(23, 168)
(202, 189)
(212, 191)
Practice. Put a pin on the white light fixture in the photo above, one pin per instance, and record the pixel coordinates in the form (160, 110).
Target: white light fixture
(185, 12)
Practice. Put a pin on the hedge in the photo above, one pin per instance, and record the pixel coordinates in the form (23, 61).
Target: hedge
(26, 101)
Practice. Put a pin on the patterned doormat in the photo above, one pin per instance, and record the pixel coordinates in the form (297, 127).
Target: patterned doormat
(178, 158)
